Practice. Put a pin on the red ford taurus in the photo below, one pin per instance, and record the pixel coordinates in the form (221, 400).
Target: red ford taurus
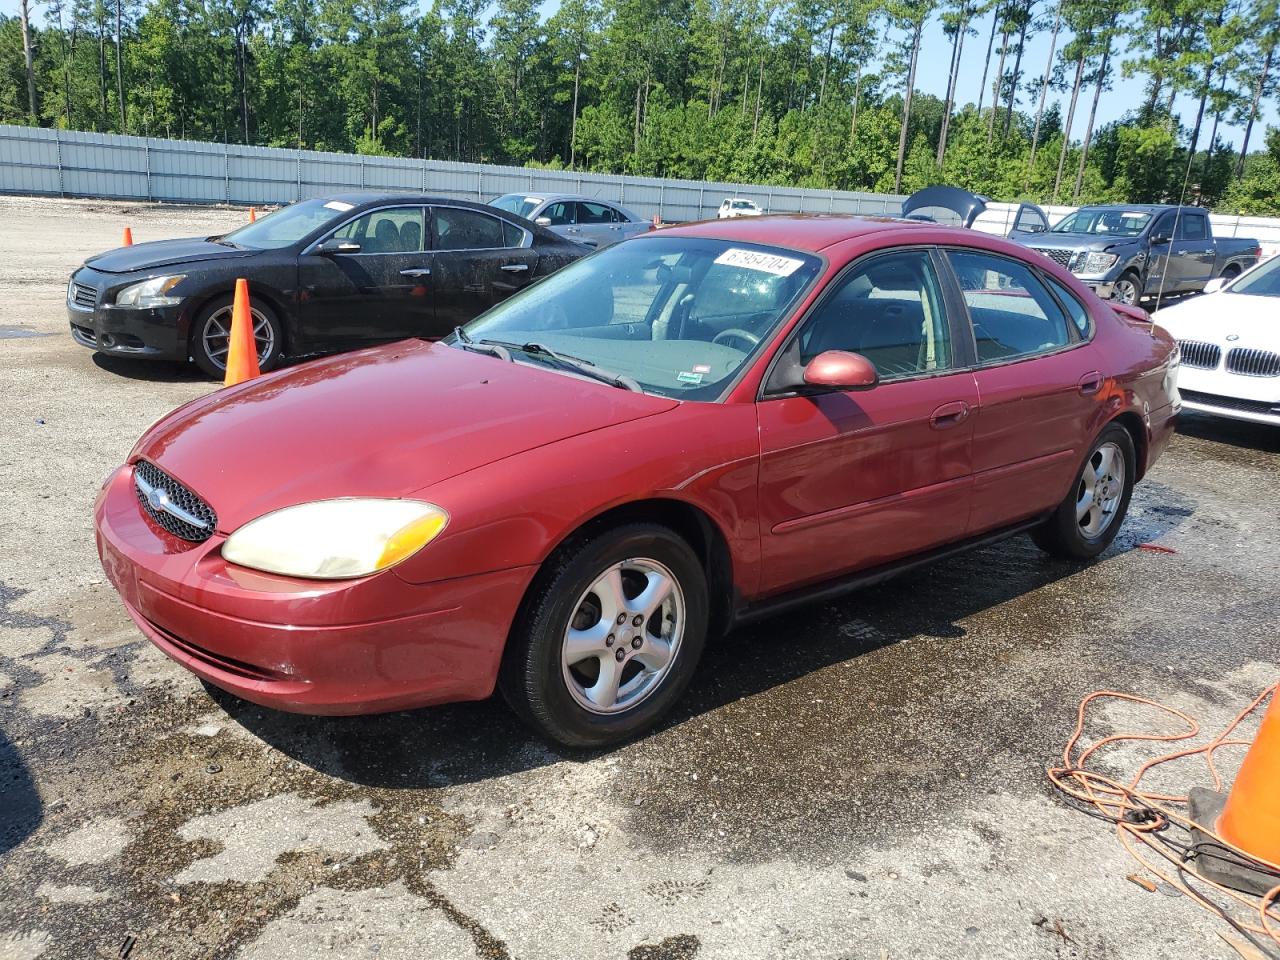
(679, 433)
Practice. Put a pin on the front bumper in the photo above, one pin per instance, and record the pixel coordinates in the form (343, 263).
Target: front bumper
(159, 333)
(322, 647)
(1105, 289)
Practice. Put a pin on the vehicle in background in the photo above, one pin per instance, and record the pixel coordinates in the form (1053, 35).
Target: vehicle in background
(954, 206)
(738, 207)
(691, 430)
(1127, 252)
(596, 223)
(1230, 345)
(324, 275)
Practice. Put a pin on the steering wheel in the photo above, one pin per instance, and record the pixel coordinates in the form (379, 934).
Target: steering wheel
(735, 333)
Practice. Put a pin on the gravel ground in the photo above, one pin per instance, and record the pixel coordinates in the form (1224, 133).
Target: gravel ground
(862, 779)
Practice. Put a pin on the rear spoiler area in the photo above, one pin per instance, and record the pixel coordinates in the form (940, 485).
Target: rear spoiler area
(1127, 312)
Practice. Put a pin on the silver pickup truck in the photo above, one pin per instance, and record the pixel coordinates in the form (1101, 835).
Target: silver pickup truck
(1134, 251)
(595, 223)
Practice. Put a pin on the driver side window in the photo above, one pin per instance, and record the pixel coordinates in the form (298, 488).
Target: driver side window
(890, 311)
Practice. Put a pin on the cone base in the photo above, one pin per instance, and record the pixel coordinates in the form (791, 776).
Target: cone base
(1218, 863)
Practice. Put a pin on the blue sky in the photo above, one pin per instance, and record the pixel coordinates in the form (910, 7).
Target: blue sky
(932, 78)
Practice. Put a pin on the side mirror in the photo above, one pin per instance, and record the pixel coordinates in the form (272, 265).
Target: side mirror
(543, 221)
(1214, 285)
(1160, 238)
(841, 370)
(334, 245)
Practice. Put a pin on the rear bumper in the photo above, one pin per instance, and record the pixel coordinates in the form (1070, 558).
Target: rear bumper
(321, 647)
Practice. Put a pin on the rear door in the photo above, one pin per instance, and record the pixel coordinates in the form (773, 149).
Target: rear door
(371, 294)
(1197, 251)
(1039, 381)
(854, 479)
(477, 260)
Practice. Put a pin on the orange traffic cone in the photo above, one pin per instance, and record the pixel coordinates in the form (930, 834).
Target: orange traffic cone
(657, 221)
(1250, 820)
(128, 237)
(253, 214)
(242, 351)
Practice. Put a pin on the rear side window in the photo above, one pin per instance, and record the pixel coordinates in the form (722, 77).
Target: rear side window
(512, 235)
(1075, 309)
(594, 213)
(456, 229)
(1012, 313)
(1192, 227)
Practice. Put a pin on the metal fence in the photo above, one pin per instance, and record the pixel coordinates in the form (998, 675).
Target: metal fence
(74, 164)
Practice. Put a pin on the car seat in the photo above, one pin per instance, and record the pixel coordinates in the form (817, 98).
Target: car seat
(410, 236)
(386, 237)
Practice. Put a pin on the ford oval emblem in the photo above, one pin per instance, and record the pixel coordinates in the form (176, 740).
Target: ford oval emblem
(1233, 337)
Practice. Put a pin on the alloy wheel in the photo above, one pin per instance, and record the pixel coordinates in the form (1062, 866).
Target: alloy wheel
(1126, 291)
(217, 335)
(623, 637)
(1100, 490)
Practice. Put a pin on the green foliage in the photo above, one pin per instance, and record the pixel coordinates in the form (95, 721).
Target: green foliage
(803, 92)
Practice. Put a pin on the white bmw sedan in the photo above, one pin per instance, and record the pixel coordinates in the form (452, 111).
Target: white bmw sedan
(1230, 343)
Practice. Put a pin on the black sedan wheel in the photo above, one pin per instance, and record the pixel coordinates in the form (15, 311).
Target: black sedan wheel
(211, 336)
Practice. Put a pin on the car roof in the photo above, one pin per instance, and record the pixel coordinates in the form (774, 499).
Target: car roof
(799, 231)
(1143, 207)
(369, 198)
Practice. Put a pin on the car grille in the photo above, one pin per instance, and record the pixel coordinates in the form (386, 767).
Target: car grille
(83, 295)
(186, 516)
(1061, 257)
(1205, 356)
(1228, 403)
(1253, 363)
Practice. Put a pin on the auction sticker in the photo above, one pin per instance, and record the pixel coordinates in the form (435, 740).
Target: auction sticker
(339, 205)
(765, 262)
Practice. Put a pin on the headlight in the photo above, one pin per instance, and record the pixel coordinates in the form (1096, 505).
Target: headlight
(1098, 262)
(335, 539)
(150, 293)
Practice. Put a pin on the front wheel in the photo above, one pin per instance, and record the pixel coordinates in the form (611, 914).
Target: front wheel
(609, 638)
(1128, 289)
(1089, 517)
(211, 336)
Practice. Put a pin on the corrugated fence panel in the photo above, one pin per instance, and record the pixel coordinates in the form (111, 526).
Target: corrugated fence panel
(73, 163)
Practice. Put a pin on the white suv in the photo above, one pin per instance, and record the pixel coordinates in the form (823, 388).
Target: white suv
(738, 207)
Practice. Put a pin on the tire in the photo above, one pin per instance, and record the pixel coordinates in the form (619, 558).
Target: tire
(1230, 273)
(1075, 536)
(205, 343)
(565, 697)
(1129, 281)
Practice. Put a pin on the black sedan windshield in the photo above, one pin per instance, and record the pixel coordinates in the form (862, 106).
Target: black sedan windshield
(287, 226)
(1262, 282)
(680, 316)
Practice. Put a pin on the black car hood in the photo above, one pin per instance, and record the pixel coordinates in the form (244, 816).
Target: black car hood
(163, 253)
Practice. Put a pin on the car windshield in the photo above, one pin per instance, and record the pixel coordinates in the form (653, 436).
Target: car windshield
(288, 225)
(1113, 223)
(681, 316)
(1262, 282)
(516, 203)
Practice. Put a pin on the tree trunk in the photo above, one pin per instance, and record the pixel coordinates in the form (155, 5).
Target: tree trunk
(1213, 131)
(573, 124)
(857, 94)
(906, 106)
(1017, 75)
(1066, 130)
(826, 63)
(124, 122)
(986, 64)
(957, 50)
(33, 110)
(755, 125)
(1157, 79)
(102, 71)
(996, 86)
(1253, 109)
(1204, 96)
(1044, 92)
(1093, 114)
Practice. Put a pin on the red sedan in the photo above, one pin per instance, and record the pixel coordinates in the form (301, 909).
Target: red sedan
(684, 431)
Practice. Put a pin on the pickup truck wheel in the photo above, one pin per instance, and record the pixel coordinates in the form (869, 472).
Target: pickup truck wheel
(1128, 289)
(1230, 273)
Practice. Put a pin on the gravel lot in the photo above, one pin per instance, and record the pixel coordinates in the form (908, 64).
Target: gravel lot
(863, 779)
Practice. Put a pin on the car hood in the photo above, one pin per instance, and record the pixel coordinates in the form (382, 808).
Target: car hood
(383, 422)
(163, 253)
(1072, 241)
(1214, 317)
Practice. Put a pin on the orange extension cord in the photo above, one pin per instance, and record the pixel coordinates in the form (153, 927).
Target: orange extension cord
(1143, 830)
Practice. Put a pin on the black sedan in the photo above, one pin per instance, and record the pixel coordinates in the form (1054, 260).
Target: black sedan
(324, 275)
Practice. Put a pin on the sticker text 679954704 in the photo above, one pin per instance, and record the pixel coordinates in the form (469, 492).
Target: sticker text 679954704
(765, 262)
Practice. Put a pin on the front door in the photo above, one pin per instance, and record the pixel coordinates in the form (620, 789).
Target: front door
(477, 261)
(374, 293)
(850, 480)
(1040, 385)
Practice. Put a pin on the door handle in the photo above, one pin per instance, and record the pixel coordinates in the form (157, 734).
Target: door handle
(1090, 383)
(416, 272)
(949, 414)
(515, 267)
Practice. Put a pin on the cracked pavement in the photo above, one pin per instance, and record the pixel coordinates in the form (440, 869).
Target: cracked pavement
(857, 779)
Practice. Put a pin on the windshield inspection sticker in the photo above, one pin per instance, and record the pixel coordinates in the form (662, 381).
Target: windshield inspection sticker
(339, 206)
(765, 262)
(688, 376)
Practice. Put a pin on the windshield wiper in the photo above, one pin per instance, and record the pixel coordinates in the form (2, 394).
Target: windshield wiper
(569, 362)
(485, 346)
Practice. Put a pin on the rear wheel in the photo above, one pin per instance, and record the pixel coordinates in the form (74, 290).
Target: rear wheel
(1128, 289)
(1230, 273)
(610, 637)
(211, 336)
(1090, 515)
